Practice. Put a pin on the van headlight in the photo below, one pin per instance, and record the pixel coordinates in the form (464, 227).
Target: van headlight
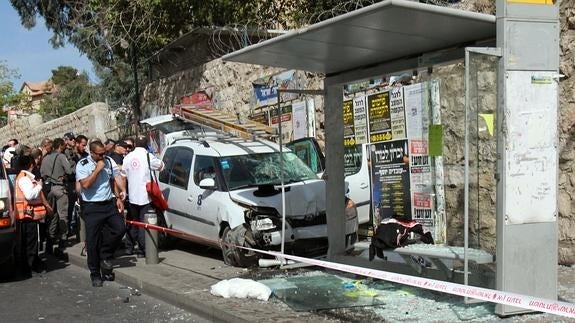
(263, 224)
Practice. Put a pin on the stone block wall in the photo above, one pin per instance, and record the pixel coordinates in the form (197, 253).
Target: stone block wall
(93, 121)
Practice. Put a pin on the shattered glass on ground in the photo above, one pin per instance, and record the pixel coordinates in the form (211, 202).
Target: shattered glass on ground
(325, 292)
(322, 291)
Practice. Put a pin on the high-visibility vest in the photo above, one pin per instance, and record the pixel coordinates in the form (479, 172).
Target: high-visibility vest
(33, 210)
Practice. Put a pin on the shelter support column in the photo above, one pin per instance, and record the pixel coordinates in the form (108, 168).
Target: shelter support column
(334, 166)
(528, 35)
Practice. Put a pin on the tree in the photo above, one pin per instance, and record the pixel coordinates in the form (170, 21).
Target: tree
(113, 33)
(73, 91)
(66, 74)
(8, 96)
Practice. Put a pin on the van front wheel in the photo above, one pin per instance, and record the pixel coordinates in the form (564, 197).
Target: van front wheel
(233, 255)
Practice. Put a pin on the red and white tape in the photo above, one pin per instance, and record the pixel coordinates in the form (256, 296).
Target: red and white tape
(485, 294)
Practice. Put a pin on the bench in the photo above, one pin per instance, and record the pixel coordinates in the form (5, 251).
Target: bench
(436, 255)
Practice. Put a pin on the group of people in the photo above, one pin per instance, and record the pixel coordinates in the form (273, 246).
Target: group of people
(50, 180)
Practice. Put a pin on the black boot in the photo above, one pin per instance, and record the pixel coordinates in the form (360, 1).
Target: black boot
(371, 252)
(96, 280)
(107, 269)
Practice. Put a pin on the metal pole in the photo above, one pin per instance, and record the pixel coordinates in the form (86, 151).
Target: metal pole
(282, 174)
(151, 238)
(466, 180)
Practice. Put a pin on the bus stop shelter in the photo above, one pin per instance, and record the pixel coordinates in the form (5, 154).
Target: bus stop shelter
(399, 35)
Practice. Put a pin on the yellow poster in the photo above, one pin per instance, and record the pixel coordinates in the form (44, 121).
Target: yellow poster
(544, 2)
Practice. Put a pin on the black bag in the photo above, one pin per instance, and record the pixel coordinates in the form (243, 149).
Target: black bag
(46, 187)
(47, 184)
(392, 233)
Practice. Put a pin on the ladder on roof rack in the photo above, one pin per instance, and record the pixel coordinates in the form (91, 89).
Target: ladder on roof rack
(223, 122)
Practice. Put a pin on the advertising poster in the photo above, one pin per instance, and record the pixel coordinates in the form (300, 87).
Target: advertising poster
(299, 120)
(348, 131)
(360, 120)
(266, 88)
(397, 113)
(417, 103)
(421, 183)
(199, 99)
(310, 110)
(391, 195)
(379, 117)
(286, 118)
(416, 110)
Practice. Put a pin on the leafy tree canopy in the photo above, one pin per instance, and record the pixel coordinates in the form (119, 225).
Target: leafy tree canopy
(66, 74)
(73, 92)
(113, 33)
(8, 96)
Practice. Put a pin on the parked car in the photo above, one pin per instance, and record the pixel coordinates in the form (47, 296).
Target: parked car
(227, 193)
(8, 225)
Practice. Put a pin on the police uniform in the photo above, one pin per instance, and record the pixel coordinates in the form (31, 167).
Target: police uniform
(105, 226)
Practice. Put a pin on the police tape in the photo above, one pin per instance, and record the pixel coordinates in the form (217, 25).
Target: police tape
(494, 296)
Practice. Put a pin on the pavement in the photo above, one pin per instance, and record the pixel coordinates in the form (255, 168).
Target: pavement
(184, 279)
(184, 276)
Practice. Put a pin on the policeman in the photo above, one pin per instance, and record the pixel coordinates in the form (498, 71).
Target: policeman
(55, 169)
(103, 201)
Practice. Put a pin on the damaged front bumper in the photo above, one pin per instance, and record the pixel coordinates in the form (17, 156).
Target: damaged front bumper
(304, 235)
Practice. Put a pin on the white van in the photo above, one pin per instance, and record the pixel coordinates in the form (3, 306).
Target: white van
(226, 193)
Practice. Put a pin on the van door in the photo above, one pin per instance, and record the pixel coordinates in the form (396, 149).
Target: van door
(175, 181)
(308, 150)
(356, 167)
(206, 203)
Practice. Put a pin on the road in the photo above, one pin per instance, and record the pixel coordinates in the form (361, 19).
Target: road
(65, 294)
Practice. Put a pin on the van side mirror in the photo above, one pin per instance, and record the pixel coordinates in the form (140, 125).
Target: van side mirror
(208, 184)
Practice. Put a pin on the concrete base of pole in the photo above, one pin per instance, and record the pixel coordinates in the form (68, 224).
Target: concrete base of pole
(151, 238)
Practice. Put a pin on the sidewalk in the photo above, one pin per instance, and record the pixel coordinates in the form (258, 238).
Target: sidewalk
(183, 278)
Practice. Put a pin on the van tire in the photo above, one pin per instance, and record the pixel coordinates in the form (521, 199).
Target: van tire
(228, 253)
(234, 256)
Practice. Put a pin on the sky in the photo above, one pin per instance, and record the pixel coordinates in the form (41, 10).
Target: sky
(30, 52)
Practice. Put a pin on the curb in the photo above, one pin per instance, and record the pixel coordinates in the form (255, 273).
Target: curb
(185, 302)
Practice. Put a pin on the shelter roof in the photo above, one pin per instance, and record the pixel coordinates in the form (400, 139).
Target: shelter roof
(381, 32)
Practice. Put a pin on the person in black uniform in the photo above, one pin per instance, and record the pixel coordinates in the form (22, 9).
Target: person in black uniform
(103, 204)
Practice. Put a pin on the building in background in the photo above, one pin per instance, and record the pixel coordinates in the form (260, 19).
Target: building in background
(36, 92)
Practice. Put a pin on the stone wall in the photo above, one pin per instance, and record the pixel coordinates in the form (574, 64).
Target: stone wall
(230, 85)
(566, 125)
(93, 121)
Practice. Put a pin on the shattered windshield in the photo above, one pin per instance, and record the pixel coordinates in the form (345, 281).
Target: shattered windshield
(259, 169)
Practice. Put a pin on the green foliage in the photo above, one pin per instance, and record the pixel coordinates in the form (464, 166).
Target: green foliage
(8, 96)
(116, 84)
(66, 74)
(118, 34)
(73, 92)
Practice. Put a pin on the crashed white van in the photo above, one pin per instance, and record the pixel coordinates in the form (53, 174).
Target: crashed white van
(227, 193)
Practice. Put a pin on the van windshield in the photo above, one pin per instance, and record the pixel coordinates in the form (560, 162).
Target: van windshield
(259, 169)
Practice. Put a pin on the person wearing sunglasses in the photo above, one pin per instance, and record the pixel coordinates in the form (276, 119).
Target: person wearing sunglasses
(103, 192)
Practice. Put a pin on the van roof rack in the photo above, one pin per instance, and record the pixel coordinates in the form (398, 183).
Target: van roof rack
(222, 122)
